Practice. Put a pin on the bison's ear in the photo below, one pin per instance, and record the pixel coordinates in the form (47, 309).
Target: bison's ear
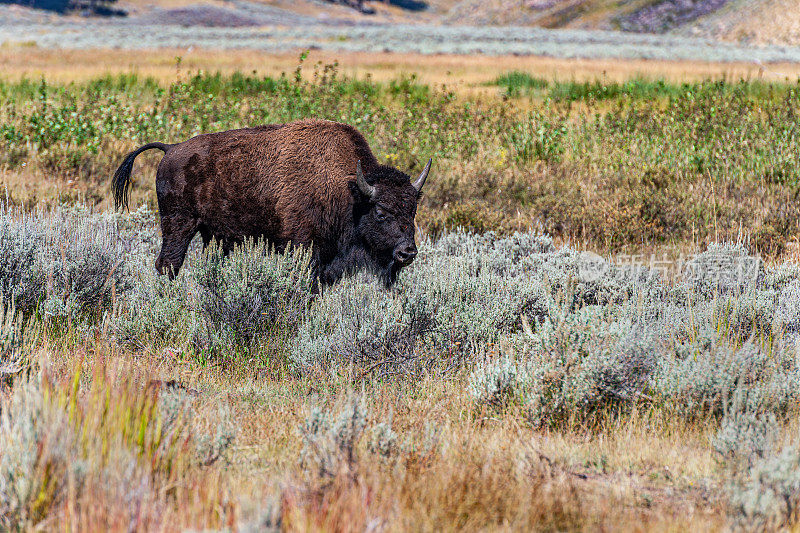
(365, 188)
(422, 177)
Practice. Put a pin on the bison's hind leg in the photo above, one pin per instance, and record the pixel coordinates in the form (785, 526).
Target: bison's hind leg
(177, 233)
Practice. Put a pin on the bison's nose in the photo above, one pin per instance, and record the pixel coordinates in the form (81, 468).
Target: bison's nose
(405, 254)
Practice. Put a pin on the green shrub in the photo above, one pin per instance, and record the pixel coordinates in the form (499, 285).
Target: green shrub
(517, 83)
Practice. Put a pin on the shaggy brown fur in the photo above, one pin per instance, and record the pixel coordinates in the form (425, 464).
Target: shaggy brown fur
(286, 183)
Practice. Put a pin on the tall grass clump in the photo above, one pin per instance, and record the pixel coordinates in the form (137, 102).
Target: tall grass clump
(36, 461)
(13, 357)
(63, 449)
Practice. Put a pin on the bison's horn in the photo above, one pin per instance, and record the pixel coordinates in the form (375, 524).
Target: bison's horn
(422, 177)
(366, 188)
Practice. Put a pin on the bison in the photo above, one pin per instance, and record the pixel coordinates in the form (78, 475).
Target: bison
(309, 183)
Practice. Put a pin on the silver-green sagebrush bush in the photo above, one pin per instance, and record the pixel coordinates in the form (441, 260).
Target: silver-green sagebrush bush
(469, 306)
(66, 265)
(588, 360)
(724, 269)
(358, 322)
(85, 271)
(764, 477)
(768, 498)
(702, 376)
(496, 382)
(746, 435)
(443, 312)
(585, 332)
(251, 292)
(220, 305)
(330, 442)
(383, 440)
(22, 282)
(787, 313)
(156, 313)
(336, 440)
(180, 415)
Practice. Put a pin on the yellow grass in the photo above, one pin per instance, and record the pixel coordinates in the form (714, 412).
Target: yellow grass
(459, 72)
(480, 470)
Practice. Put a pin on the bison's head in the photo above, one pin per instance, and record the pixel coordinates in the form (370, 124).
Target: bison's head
(385, 213)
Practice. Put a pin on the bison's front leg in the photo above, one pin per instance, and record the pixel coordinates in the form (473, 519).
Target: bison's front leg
(321, 272)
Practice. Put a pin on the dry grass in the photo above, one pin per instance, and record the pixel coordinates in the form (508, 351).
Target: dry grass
(457, 468)
(461, 73)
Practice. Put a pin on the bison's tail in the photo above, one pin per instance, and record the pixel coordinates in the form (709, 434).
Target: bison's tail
(122, 177)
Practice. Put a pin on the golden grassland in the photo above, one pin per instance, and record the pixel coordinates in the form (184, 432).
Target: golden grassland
(460, 467)
(474, 471)
(467, 73)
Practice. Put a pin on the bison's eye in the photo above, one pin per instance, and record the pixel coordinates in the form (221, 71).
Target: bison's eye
(380, 214)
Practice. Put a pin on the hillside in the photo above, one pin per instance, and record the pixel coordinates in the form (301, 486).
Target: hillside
(751, 21)
(772, 22)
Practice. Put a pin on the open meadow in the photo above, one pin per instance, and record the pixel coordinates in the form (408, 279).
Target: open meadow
(601, 330)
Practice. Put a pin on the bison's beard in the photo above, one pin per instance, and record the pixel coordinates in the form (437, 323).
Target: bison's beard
(389, 276)
(358, 259)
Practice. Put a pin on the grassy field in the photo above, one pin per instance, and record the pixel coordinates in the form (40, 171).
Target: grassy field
(611, 165)
(510, 381)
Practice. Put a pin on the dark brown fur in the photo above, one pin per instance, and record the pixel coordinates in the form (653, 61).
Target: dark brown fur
(286, 183)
